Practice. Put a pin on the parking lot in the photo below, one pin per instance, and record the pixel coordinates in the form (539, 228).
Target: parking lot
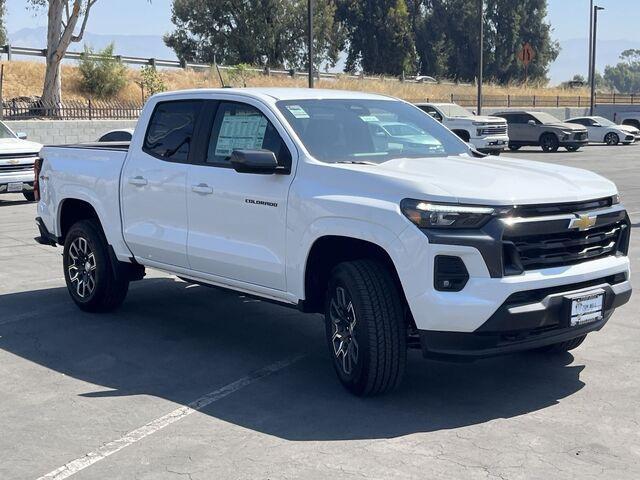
(190, 382)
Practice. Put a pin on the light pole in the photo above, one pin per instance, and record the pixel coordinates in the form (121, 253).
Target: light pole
(480, 54)
(590, 39)
(592, 73)
(310, 39)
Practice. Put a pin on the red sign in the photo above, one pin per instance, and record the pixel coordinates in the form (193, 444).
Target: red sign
(526, 54)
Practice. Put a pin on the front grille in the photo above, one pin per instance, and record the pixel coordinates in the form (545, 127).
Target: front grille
(580, 136)
(4, 156)
(568, 248)
(499, 129)
(16, 168)
(560, 208)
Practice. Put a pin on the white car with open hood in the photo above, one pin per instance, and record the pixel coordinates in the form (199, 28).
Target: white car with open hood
(354, 205)
(17, 156)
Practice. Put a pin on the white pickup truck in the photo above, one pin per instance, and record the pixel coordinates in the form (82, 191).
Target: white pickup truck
(486, 134)
(295, 196)
(17, 156)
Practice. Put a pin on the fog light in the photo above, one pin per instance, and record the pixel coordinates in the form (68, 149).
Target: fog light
(450, 274)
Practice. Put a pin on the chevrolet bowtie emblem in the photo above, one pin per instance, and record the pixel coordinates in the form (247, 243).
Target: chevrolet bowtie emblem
(583, 222)
(13, 161)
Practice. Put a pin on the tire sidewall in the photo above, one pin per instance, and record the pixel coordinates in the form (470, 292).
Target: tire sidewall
(94, 239)
(614, 138)
(553, 143)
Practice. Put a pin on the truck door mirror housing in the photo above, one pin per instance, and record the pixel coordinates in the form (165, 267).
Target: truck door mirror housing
(531, 122)
(21, 135)
(254, 161)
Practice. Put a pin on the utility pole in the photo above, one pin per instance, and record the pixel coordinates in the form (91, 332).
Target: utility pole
(310, 39)
(480, 53)
(592, 73)
(590, 39)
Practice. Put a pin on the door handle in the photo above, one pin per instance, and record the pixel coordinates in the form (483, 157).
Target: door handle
(202, 188)
(138, 181)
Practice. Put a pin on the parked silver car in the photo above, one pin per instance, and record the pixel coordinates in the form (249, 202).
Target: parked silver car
(544, 130)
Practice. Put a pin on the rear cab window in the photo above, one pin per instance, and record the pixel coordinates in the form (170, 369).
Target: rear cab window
(170, 131)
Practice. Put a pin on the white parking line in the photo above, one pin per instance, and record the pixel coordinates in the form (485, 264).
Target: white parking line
(75, 466)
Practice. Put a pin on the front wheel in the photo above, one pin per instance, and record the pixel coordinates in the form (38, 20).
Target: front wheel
(365, 328)
(611, 138)
(514, 147)
(549, 142)
(88, 270)
(572, 148)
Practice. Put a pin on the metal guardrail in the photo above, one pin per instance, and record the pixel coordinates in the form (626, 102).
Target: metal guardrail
(70, 110)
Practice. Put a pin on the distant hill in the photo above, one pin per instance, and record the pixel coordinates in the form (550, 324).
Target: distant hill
(147, 46)
(574, 57)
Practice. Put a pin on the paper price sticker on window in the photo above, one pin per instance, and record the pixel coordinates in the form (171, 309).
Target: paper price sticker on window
(297, 111)
(369, 118)
(239, 132)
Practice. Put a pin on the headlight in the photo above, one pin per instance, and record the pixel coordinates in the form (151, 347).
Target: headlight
(615, 200)
(438, 215)
(567, 132)
(481, 124)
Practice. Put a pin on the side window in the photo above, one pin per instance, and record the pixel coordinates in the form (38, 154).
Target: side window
(433, 112)
(119, 136)
(238, 126)
(171, 128)
(526, 118)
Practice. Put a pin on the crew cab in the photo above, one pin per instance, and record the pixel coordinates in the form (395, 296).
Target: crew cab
(544, 130)
(291, 195)
(17, 157)
(486, 134)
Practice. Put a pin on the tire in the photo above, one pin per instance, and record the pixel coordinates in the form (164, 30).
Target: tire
(463, 134)
(29, 196)
(563, 347)
(513, 147)
(89, 271)
(495, 153)
(573, 148)
(366, 332)
(611, 138)
(549, 142)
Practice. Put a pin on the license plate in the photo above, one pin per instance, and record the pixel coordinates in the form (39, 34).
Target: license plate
(586, 308)
(15, 187)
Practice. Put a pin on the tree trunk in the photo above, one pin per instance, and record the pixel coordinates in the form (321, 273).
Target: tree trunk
(52, 90)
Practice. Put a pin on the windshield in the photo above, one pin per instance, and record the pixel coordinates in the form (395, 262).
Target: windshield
(5, 132)
(453, 110)
(368, 130)
(545, 118)
(604, 122)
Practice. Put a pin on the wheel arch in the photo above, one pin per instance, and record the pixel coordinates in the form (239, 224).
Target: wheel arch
(548, 132)
(72, 210)
(462, 133)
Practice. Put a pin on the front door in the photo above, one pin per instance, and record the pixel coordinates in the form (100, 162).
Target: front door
(237, 221)
(154, 183)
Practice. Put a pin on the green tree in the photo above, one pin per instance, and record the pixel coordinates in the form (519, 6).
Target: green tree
(625, 76)
(380, 37)
(255, 32)
(102, 75)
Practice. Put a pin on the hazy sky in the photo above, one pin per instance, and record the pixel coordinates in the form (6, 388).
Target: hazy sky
(620, 20)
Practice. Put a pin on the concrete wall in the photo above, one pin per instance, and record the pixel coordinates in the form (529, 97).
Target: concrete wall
(51, 132)
(559, 112)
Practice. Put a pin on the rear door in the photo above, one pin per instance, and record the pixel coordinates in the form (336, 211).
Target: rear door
(154, 184)
(237, 221)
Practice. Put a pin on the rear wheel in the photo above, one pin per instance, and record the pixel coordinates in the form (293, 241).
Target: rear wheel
(564, 346)
(549, 142)
(365, 328)
(611, 138)
(29, 196)
(88, 269)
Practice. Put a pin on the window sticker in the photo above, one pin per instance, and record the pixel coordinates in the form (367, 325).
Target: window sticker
(239, 132)
(297, 111)
(369, 118)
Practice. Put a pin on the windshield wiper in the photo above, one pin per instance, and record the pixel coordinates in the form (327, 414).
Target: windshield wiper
(356, 162)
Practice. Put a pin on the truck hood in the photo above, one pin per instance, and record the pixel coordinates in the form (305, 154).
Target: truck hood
(15, 145)
(486, 119)
(567, 126)
(494, 181)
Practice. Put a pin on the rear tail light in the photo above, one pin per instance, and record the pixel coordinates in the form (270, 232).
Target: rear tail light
(37, 166)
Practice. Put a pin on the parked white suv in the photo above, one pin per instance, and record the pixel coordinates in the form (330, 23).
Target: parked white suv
(17, 156)
(294, 196)
(486, 134)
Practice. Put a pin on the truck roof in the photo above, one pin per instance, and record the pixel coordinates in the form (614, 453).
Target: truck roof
(275, 94)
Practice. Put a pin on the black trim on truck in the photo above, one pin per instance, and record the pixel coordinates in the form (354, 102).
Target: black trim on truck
(518, 326)
(46, 237)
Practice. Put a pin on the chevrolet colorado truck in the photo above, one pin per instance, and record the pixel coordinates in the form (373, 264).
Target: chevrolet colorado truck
(292, 195)
(17, 157)
(486, 134)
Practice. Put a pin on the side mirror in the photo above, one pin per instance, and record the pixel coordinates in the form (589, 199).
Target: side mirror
(21, 135)
(596, 125)
(254, 161)
(531, 122)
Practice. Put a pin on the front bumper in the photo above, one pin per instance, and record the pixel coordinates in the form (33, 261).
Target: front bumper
(490, 143)
(519, 326)
(25, 178)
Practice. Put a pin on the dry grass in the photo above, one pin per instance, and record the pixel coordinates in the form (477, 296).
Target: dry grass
(22, 78)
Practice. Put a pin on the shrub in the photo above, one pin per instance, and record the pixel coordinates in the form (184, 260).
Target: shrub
(102, 75)
(151, 81)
